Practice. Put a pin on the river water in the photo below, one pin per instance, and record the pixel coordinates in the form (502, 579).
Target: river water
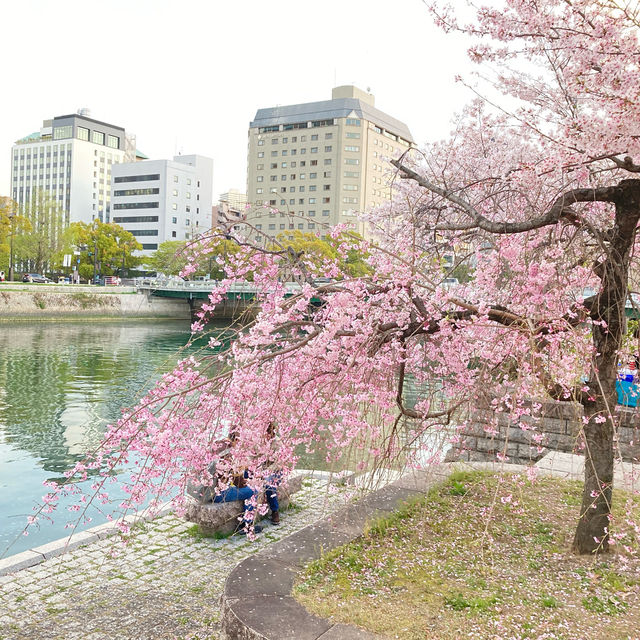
(60, 385)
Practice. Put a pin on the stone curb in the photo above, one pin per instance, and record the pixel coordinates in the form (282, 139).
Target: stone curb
(61, 546)
(257, 602)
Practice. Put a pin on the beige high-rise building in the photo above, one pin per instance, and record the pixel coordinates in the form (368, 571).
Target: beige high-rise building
(317, 164)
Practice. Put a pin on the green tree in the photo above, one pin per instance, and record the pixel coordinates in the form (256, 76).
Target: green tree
(173, 255)
(316, 250)
(38, 244)
(106, 248)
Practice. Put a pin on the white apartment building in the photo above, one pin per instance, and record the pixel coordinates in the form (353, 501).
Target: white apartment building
(71, 158)
(160, 200)
(317, 164)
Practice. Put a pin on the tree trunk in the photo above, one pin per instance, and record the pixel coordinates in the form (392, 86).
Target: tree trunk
(592, 532)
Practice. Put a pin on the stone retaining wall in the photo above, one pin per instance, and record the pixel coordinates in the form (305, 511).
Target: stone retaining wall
(50, 302)
(492, 433)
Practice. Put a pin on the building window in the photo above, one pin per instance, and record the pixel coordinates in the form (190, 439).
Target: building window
(285, 140)
(83, 133)
(274, 140)
(313, 163)
(350, 187)
(174, 206)
(175, 178)
(284, 165)
(149, 247)
(350, 200)
(137, 205)
(174, 234)
(327, 161)
(135, 192)
(188, 195)
(351, 148)
(327, 187)
(175, 192)
(260, 179)
(119, 220)
(328, 148)
(260, 167)
(272, 227)
(353, 122)
(284, 152)
(97, 137)
(143, 178)
(314, 149)
(352, 161)
(326, 200)
(351, 174)
(260, 154)
(259, 190)
(312, 200)
(144, 232)
(113, 142)
(174, 220)
(312, 213)
(260, 142)
(328, 136)
(189, 181)
(187, 222)
(314, 136)
(312, 187)
(274, 154)
(325, 212)
(59, 133)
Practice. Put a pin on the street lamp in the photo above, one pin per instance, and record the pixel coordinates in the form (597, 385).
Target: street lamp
(12, 215)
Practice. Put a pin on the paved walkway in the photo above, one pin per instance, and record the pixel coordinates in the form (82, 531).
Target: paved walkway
(166, 584)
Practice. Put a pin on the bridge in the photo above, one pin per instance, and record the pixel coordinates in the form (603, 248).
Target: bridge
(238, 299)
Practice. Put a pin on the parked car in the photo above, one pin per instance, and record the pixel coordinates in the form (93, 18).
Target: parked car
(34, 277)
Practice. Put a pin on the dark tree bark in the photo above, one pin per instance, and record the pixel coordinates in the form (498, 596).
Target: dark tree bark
(608, 310)
(592, 530)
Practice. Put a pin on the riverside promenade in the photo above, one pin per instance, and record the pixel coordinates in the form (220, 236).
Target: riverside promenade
(165, 584)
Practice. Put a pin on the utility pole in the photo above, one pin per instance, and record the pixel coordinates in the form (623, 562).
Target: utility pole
(11, 223)
(95, 259)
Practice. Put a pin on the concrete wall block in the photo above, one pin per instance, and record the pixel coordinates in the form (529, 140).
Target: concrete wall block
(629, 416)
(630, 453)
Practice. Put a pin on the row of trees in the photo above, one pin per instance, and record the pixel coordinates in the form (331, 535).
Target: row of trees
(34, 238)
(212, 253)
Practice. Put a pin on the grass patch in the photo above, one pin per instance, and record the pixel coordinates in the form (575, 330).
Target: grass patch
(481, 556)
(198, 533)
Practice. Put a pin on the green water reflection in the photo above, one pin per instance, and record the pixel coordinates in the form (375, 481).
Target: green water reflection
(60, 385)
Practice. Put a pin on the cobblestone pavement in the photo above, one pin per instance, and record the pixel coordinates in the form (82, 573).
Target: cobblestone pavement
(165, 584)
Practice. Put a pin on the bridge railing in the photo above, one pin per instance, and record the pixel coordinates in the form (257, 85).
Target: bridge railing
(178, 284)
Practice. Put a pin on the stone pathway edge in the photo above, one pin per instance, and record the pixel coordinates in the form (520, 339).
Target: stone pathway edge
(39, 554)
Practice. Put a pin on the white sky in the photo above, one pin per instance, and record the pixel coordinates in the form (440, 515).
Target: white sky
(188, 75)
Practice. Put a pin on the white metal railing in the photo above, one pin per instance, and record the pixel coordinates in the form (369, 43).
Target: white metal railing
(178, 284)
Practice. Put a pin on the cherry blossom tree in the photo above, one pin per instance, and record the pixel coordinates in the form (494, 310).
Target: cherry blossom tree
(533, 192)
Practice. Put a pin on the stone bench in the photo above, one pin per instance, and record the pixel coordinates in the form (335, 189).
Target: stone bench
(222, 517)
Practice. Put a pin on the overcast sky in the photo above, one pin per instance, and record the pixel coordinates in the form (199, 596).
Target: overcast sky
(188, 75)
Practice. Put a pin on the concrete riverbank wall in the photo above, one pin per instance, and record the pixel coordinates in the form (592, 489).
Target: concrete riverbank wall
(490, 434)
(43, 302)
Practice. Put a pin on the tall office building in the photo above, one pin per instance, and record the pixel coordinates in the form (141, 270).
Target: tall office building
(317, 164)
(71, 159)
(160, 200)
